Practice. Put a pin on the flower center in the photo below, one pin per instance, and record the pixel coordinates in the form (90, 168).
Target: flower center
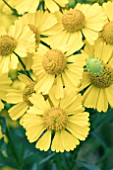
(54, 61)
(73, 20)
(105, 79)
(29, 89)
(107, 33)
(94, 66)
(55, 119)
(36, 32)
(7, 45)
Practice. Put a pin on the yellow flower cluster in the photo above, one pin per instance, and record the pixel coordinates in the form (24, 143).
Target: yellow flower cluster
(55, 61)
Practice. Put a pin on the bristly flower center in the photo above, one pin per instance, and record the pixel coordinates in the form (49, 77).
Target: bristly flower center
(55, 119)
(105, 79)
(36, 32)
(107, 33)
(54, 62)
(7, 45)
(28, 91)
(73, 20)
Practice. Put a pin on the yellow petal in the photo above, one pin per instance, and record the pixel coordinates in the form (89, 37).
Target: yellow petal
(18, 110)
(57, 144)
(80, 132)
(68, 140)
(90, 97)
(59, 92)
(44, 141)
(102, 103)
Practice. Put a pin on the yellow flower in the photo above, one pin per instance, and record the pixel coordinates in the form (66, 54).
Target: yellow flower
(84, 19)
(98, 77)
(39, 26)
(5, 83)
(17, 39)
(60, 123)
(20, 97)
(54, 66)
(106, 35)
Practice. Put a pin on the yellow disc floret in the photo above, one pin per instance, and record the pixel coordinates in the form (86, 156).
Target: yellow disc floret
(103, 80)
(29, 89)
(54, 61)
(55, 119)
(36, 32)
(73, 20)
(7, 45)
(107, 33)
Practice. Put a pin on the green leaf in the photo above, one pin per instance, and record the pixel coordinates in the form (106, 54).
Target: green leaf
(87, 165)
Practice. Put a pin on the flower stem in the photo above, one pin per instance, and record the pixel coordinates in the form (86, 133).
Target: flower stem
(14, 10)
(23, 65)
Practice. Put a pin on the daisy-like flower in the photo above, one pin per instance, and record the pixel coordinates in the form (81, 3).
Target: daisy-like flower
(39, 26)
(58, 124)
(5, 83)
(84, 20)
(54, 66)
(20, 97)
(106, 35)
(98, 78)
(18, 39)
(31, 6)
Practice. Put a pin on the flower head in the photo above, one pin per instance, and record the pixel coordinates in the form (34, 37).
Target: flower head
(106, 34)
(83, 20)
(56, 124)
(40, 28)
(98, 78)
(18, 39)
(54, 66)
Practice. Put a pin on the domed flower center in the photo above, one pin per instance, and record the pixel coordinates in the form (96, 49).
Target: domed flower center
(105, 79)
(29, 89)
(55, 119)
(73, 20)
(94, 66)
(7, 45)
(54, 62)
(107, 33)
(36, 32)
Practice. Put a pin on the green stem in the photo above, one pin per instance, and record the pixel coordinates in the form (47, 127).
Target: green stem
(21, 62)
(73, 158)
(12, 9)
(23, 65)
(58, 161)
(42, 5)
